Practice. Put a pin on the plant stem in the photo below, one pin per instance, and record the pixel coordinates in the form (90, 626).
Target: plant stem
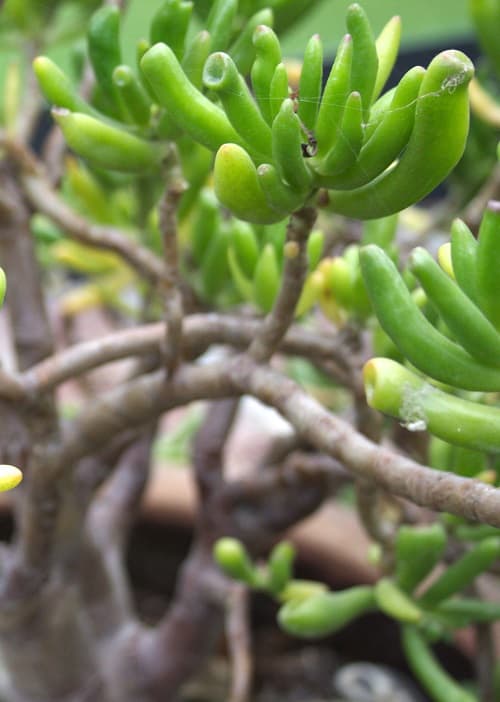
(279, 319)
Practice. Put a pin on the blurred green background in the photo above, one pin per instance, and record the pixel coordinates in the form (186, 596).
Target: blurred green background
(424, 21)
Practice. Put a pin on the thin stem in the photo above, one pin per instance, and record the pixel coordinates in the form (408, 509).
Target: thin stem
(170, 280)
(239, 643)
(377, 510)
(46, 201)
(379, 514)
(279, 319)
(437, 490)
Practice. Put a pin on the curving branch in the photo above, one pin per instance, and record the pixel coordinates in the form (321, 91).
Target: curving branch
(437, 490)
(45, 200)
(145, 398)
(199, 332)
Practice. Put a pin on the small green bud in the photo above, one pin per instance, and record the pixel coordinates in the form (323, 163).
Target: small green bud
(232, 557)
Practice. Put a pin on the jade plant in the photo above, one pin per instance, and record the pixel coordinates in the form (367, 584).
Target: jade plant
(237, 230)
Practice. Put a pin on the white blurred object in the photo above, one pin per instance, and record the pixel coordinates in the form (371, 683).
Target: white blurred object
(368, 682)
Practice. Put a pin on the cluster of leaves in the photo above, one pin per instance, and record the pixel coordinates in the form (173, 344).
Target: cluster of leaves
(274, 151)
(459, 348)
(426, 611)
(187, 91)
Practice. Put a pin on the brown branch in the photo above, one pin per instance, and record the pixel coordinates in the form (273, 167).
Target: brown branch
(85, 356)
(145, 398)
(239, 643)
(401, 476)
(138, 402)
(91, 473)
(112, 512)
(259, 508)
(36, 527)
(45, 497)
(195, 615)
(209, 445)
(11, 387)
(170, 281)
(279, 319)
(103, 582)
(46, 648)
(311, 466)
(46, 201)
(25, 299)
(379, 512)
(33, 422)
(281, 446)
(199, 332)
(169, 654)
(485, 652)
